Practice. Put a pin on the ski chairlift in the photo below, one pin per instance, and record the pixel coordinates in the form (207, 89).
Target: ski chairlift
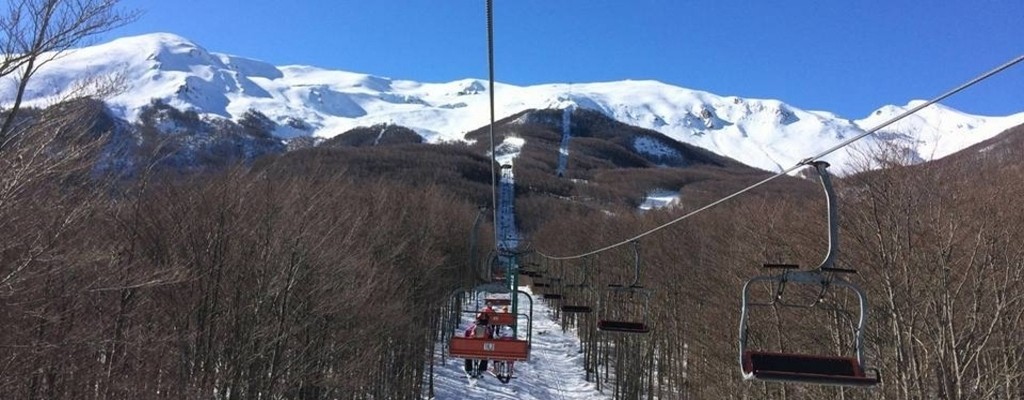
(530, 266)
(532, 269)
(542, 277)
(555, 285)
(552, 296)
(549, 288)
(502, 351)
(808, 368)
(574, 293)
(544, 283)
(625, 309)
(499, 263)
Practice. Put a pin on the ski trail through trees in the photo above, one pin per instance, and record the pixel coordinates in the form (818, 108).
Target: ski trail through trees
(505, 155)
(380, 135)
(555, 369)
(563, 148)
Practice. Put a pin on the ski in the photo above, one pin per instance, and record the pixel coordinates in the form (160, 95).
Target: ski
(472, 379)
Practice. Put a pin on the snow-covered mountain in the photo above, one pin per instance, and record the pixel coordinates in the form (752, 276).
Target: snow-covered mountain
(305, 100)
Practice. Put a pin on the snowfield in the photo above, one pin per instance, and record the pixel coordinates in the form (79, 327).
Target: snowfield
(306, 100)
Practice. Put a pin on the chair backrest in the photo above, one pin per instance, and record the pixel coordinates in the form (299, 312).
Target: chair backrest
(489, 349)
(501, 318)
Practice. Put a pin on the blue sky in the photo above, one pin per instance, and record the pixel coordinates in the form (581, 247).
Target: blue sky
(848, 57)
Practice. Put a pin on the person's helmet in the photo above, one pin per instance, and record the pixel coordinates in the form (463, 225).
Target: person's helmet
(482, 319)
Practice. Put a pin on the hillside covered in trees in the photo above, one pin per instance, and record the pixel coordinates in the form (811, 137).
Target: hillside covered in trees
(325, 272)
(185, 257)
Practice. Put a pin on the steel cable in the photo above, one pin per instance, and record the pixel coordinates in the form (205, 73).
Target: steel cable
(802, 163)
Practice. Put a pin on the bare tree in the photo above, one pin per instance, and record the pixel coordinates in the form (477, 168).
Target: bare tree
(35, 32)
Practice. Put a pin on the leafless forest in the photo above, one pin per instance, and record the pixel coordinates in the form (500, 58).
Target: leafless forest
(299, 278)
(325, 273)
(938, 249)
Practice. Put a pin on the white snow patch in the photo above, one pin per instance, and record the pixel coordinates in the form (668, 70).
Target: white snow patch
(660, 198)
(654, 147)
(506, 152)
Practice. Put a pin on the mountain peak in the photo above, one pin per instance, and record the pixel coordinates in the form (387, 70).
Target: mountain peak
(169, 51)
(151, 40)
(306, 100)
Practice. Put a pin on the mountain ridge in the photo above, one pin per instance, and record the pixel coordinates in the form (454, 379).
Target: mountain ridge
(311, 101)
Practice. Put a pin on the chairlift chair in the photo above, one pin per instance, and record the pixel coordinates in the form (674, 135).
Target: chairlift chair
(496, 268)
(575, 295)
(626, 308)
(808, 368)
(573, 305)
(544, 281)
(553, 289)
(532, 269)
(501, 351)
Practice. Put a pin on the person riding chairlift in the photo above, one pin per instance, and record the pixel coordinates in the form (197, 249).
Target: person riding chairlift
(480, 330)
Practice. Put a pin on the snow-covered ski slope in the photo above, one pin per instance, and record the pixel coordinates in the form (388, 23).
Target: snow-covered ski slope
(505, 154)
(555, 368)
(563, 147)
(306, 100)
(554, 371)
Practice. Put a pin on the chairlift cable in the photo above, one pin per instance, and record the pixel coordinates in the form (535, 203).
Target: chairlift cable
(800, 164)
(907, 113)
(490, 92)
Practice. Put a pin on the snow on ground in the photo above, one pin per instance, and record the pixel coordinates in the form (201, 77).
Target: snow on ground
(506, 152)
(763, 133)
(659, 199)
(563, 148)
(505, 155)
(935, 131)
(554, 371)
(555, 368)
(654, 147)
